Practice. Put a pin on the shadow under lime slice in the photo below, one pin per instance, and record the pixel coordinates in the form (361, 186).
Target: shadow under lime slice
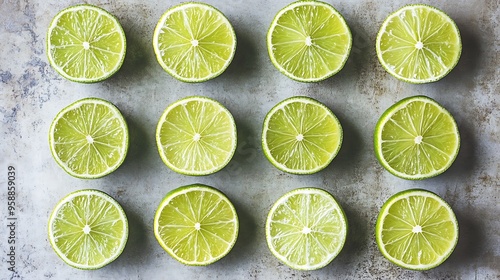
(85, 44)
(309, 41)
(418, 44)
(196, 136)
(300, 135)
(89, 138)
(416, 138)
(416, 229)
(88, 229)
(196, 224)
(306, 228)
(194, 42)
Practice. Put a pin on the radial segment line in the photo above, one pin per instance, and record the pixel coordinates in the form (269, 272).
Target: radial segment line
(328, 51)
(215, 235)
(97, 246)
(290, 29)
(286, 224)
(424, 151)
(285, 114)
(402, 128)
(73, 244)
(105, 50)
(399, 155)
(410, 208)
(207, 245)
(212, 31)
(320, 244)
(436, 148)
(430, 244)
(211, 210)
(398, 238)
(400, 219)
(293, 213)
(408, 29)
(183, 215)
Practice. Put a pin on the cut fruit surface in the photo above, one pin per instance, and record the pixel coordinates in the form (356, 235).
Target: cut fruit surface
(88, 229)
(416, 138)
(309, 41)
(89, 138)
(301, 135)
(196, 224)
(196, 136)
(418, 44)
(85, 44)
(194, 42)
(416, 229)
(306, 228)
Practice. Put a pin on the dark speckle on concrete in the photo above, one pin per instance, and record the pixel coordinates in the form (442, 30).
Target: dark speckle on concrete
(5, 76)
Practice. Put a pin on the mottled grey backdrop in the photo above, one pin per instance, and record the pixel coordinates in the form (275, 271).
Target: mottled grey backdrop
(32, 93)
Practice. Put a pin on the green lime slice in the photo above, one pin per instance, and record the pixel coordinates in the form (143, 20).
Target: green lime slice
(88, 229)
(306, 228)
(85, 44)
(418, 44)
(196, 136)
(89, 138)
(416, 229)
(416, 138)
(300, 135)
(196, 224)
(309, 41)
(194, 42)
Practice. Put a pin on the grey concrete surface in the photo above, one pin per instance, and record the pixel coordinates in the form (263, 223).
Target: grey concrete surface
(32, 93)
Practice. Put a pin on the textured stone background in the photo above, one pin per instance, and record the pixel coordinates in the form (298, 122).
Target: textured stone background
(32, 93)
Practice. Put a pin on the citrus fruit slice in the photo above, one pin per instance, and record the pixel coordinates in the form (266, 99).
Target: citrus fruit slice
(309, 41)
(194, 42)
(85, 44)
(88, 229)
(196, 136)
(196, 224)
(306, 228)
(418, 44)
(89, 138)
(300, 135)
(416, 138)
(416, 229)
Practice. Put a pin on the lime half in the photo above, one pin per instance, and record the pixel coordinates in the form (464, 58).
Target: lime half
(196, 136)
(89, 138)
(306, 228)
(196, 224)
(88, 229)
(418, 44)
(85, 44)
(309, 41)
(416, 229)
(300, 135)
(194, 42)
(416, 138)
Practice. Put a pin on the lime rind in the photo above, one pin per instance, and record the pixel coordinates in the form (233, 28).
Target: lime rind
(181, 191)
(280, 106)
(334, 205)
(119, 31)
(161, 148)
(391, 70)
(385, 211)
(386, 116)
(116, 113)
(158, 51)
(67, 199)
(274, 23)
